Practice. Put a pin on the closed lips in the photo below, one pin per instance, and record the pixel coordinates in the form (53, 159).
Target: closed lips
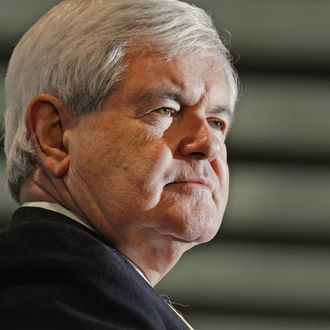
(201, 181)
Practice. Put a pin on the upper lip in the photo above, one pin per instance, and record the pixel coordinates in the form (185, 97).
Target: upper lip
(200, 180)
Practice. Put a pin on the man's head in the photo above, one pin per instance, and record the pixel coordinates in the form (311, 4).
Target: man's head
(127, 104)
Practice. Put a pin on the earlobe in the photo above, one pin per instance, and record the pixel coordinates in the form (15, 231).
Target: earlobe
(46, 119)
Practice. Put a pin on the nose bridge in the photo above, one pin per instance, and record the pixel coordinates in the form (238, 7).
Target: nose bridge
(201, 131)
(199, 140)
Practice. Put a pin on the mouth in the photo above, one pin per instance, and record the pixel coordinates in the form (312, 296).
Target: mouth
(194, 181)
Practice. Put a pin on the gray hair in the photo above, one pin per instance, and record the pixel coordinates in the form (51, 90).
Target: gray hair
(77, 53)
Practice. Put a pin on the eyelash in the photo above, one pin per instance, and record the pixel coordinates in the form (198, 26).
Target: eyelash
(216, 123)
(170, 114)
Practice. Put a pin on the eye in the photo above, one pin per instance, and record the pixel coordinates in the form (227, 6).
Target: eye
(165, 112)
(217, 124)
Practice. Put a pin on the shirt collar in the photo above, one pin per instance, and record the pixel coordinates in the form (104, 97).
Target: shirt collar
(59, 209)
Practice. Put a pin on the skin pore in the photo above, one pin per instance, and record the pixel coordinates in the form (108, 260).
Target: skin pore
(149, 171)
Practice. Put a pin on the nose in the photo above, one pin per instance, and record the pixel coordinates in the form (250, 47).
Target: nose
(201, 142)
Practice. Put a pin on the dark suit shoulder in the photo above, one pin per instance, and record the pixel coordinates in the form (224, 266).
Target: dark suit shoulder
(57, 274)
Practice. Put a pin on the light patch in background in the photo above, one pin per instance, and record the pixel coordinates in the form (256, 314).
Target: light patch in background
(231, 321)
(283, 114)
(278, 202)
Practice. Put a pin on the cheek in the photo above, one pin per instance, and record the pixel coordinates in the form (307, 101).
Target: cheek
(220, 167)
(220, 195)
(142, 166)
(151, 173)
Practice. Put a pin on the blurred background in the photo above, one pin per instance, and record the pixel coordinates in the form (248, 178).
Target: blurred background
(268, 268)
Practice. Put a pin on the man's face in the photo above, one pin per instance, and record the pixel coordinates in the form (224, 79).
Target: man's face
(152, 164)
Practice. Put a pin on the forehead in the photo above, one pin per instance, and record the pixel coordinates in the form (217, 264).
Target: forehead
(183, 79)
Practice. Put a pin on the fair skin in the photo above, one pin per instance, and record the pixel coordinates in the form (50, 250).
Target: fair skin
(149, 171)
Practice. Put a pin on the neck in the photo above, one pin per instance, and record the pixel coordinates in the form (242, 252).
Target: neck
(40, 187)
(153, 253)
(156, 256)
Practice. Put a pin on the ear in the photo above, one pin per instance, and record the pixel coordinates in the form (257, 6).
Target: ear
(46, 119)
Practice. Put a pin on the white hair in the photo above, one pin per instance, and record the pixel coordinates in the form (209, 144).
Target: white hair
(77, 53)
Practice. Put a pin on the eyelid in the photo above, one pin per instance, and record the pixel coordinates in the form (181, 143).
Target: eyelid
(223, 124)
(172, 110)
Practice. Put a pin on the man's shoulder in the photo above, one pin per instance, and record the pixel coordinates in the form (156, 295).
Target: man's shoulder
(37, 236)
(52, 267)
(43, 233)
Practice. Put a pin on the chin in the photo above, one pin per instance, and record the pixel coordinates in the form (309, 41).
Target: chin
(193, 229)
(208, 234)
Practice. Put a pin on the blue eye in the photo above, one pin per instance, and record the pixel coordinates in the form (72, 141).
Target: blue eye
(218, 124)
(166, 112)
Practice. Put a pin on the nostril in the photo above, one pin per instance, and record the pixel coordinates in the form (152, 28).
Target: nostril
(197, 155)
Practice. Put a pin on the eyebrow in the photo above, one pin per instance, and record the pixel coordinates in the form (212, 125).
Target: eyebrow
(156, 95)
